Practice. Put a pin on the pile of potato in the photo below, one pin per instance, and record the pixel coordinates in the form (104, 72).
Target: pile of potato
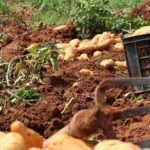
(106, 41)
(22, 138)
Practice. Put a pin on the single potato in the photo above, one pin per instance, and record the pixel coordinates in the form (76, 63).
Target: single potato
(74, 42)
(61, 28)
(107, 63)
(65, 142)
(116, 145)
(121, 64)
(12, 141)
(86, 72)
(83, 57)
(97, 54)
(70, 53)
(31, 138)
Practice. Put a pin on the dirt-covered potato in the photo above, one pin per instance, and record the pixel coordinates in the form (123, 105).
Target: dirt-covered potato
(74, 42)
(103, 44)
(122, 64)
(83, 57)
(61, 55)
(76, 84)
(65, 142)
(12, 141)
(70, 53)
(86, 47)
(97, 54)
(2, 134)
(62, 45)
(115, 145)
(104, 36)
(96, 38)
(34, 148)
(61, 28)
(119, 47)
(107, 63)
(86, 72)
(117, 40)
(31, 138)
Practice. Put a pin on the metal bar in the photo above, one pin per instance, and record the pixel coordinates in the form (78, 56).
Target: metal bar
(131, 112)
(144, 143)
(142, 47)
(145, 68)
(144, 57)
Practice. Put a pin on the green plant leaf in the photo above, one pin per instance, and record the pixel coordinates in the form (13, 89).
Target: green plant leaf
(18, 67)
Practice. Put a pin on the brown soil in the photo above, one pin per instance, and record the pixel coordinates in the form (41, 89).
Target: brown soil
(46, 117)
(142, 11)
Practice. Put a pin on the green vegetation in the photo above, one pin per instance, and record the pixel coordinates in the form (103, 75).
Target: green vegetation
(90, 16)
(28, 68)
(23, 95)
(137, 98)
(4, 7)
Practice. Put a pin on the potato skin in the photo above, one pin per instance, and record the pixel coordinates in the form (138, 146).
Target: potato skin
(31, 138)
(107, 63)
(86, 72)
(65, 142)
(12, 141)
(116, 145)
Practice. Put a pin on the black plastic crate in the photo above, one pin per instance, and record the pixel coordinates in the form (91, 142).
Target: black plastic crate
(137, 53)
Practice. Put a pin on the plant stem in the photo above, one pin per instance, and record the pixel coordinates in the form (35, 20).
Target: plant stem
(67, 105)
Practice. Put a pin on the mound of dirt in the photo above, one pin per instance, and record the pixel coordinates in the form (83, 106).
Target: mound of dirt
(142, 11)
(19, 37)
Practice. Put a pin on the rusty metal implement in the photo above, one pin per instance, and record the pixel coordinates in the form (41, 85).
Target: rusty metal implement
(87, 121)
(100, 101)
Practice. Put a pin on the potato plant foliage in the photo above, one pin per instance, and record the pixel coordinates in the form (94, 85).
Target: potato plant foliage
(23, 95)
(28, 68)
(90, 16)
(94, 16)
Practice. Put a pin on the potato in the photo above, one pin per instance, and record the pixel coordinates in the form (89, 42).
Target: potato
(75, 42)
(65, 142)
(119, 47)
(117, 40)
(76, 84)
(104, 41)
(70, 53)
(31, 138)
(2, 134)
(112, 35)
(142, 30)
(61, 56)
(106, 52)
(86, 47)
(34, 148)
(104, 36)
(122, 64)
(61, 28)
(12, 141)
(69, 56)
(62, 45)
(107, 63)
(83, 57)
(96, 38)
(103, 44)
(97, 54)
(86, 72)
(115, 145)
